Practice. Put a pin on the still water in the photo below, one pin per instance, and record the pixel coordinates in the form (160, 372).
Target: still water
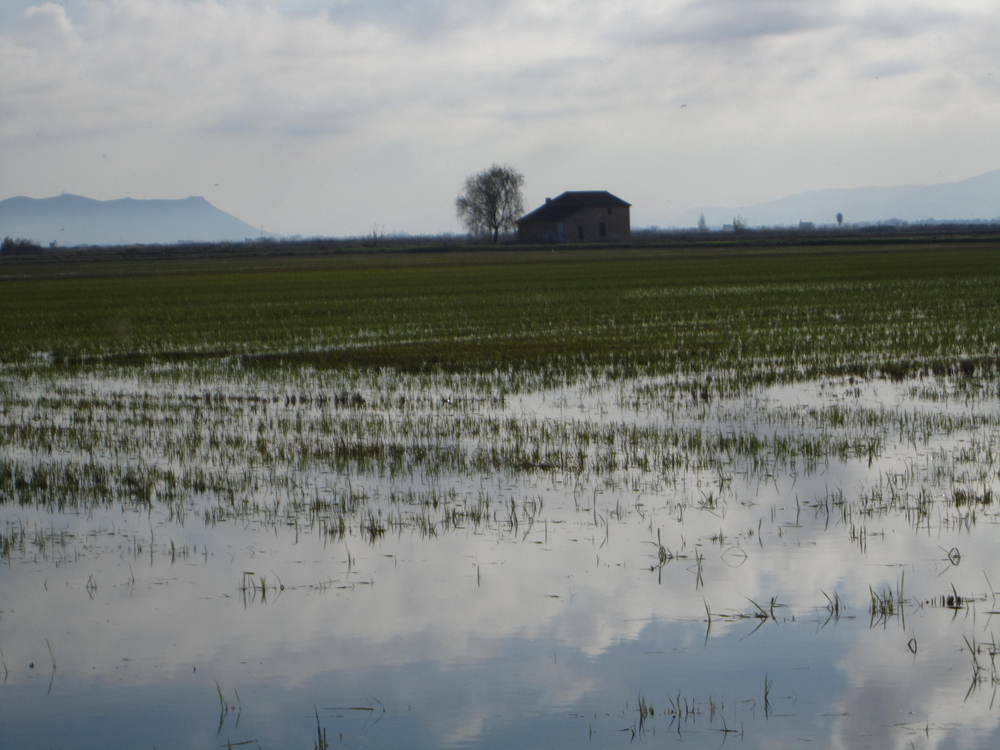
(759, 597)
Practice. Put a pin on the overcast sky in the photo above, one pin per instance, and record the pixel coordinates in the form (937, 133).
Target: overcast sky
(338, 117)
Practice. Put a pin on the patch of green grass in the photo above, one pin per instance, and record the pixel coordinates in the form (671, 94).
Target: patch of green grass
(746, 318)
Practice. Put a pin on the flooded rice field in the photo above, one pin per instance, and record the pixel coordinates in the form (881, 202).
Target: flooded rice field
(202, 558)
(726, 496)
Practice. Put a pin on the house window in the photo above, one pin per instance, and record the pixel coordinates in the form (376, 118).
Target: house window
(579, 231)
(604, 229)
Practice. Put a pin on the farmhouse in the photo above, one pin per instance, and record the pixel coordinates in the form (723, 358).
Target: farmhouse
(577, 216)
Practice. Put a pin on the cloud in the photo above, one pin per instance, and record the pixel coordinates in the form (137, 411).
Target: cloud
(571, 91)
(149, 64)
(419, 18)
(47, 19)
(247, 67)
(723, 21)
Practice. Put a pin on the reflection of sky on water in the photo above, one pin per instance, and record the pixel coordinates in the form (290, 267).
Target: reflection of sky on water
(491, 665)
(518, 691)
(543, 636)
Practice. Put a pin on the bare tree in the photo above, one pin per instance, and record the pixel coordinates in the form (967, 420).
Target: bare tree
(491, 201)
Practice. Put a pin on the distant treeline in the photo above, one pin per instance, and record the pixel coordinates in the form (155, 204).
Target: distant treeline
(12, 246)
(806, 236)
(809, 234)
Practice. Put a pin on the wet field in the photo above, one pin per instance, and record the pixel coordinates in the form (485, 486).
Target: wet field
(514, 499)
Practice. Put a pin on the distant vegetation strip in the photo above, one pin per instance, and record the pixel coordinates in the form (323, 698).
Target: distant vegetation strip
(767, 315)
(774, 238)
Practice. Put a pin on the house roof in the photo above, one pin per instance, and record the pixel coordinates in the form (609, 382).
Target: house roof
(567, 204)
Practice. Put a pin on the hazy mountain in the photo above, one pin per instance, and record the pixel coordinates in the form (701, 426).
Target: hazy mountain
(977, 198)
(75, 220)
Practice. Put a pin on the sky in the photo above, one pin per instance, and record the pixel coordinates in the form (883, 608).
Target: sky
(346, 117)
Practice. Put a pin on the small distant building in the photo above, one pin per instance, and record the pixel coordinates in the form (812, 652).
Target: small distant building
(577, 216)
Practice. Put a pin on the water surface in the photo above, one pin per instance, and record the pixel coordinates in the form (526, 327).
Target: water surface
(192, 562)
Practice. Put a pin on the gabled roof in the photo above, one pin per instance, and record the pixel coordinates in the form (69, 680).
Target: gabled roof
(558, 208)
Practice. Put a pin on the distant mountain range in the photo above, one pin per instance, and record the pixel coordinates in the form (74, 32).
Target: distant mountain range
(69, 220)
(974, 199)
(74, 220)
